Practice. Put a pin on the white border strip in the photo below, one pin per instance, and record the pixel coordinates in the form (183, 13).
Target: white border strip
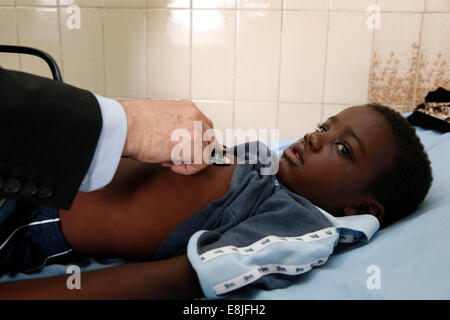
(264, 242)
(264, 270)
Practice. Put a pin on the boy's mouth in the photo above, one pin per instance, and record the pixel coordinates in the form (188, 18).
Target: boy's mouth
(295, 154)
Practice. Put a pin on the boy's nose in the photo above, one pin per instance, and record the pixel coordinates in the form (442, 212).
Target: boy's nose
(313, 141)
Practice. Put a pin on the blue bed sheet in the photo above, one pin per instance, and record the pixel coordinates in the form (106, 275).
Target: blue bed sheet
(408, 260)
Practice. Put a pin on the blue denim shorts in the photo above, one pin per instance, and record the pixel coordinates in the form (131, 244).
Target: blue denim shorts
(30, 237)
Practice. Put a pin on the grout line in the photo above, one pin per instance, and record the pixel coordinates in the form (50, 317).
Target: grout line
(371, 58)
(61, 38)
(229, 9)
(325, 67)
(419, 50)
(349, 104)
(147, 62)
(252, 101)
(236, 34)
(283, 17)
(105, 89)
(190, 49)
(17, 38)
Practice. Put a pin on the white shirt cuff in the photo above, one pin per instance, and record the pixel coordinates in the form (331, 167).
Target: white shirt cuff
(109, 147)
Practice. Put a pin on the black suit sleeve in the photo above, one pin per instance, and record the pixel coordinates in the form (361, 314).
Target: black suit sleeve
(48, 135)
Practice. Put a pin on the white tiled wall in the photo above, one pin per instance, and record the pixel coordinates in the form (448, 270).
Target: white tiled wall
(213, 40)
(285, 64)
(83, 57)
(8, 35)
(38, 27)
(348, 58)
(168, 53)
(303, 56)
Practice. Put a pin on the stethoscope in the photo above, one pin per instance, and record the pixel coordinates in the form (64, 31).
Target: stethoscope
(218, 157)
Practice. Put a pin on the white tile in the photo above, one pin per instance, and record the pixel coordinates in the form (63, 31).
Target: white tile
(125, 52)
(82, 3)
(214, 4)
(402, 5)
(168, 53)
(221, 114)
(434, 60)
(307, 4)
(437, 6)
(38, 28)
(260, 4)
(351, 5)
(394, 59)
(303, 56)
(348, 58)
(124, 4)
(258, 52)
(40, 3)
(168, 3)
(83, 51)
(254, 121)
(8, 36)
(296, 119)
(213, 49)
(257, 115)
(7, 3)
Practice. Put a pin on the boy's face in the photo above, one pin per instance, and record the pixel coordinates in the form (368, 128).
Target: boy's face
(333, 166)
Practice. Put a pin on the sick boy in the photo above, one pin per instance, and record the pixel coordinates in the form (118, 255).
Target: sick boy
(227, 227)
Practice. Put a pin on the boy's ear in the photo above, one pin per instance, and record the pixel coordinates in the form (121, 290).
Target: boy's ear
(369, 206)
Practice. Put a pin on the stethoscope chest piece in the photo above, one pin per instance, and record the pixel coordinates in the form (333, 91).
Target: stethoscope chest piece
(219, 158)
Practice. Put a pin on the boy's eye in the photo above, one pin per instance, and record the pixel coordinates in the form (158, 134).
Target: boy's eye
(344, 150)
(342, 147)
(321, 128)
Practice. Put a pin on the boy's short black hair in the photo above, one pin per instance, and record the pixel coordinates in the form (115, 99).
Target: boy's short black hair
(403, 187)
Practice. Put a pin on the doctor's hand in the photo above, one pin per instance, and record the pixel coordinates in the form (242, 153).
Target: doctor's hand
(151, 124)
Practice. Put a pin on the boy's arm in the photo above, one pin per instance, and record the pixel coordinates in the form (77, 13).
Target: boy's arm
(167, 279)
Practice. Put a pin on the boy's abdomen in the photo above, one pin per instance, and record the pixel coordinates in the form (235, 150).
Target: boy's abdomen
(141, 206)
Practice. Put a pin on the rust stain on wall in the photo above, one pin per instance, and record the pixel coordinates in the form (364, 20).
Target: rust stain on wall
(434, 72)
(393, 77)
(403, 81)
